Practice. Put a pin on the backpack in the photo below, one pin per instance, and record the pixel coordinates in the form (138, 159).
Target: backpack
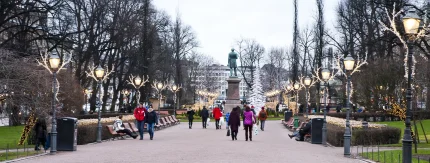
(263, 115)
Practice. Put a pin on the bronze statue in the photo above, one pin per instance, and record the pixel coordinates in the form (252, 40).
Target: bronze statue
(232, 57)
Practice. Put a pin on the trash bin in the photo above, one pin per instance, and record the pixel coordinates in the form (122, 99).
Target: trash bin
(67, 134)
(287, 115)
(316, 130)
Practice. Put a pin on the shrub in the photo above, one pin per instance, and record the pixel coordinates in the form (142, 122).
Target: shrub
(103, 115)
(375, 117)
(370, 136)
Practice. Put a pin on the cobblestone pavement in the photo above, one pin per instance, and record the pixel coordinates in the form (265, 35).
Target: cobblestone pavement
(180, 144)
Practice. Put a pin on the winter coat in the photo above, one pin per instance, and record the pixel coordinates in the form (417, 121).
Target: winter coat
(118, 125)
(40, 129)
(151, 117)
(217, 113)
(204, 113)
(234, 121)
(190, 114)
(139, 114)
(262, 117)
(249, 116)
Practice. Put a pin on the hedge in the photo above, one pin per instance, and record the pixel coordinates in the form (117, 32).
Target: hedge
(370, 136)
(377, 117)
(103, 115)
(88, 133)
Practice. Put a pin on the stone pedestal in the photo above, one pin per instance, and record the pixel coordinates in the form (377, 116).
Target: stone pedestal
(233, 96)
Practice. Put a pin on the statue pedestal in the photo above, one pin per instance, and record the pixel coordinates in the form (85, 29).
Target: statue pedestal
(233, 96)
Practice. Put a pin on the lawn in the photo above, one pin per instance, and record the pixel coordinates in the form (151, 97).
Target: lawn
(401, 125)
(396, 156)
(10, 135)
(14, 155)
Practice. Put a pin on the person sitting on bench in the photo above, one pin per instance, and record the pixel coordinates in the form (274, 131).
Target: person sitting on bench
(118, 126)
(302, 131)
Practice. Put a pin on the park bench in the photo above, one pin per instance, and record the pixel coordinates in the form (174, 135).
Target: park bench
(308, 137)
(302, 124)
(166, 121)
(161, 124)
(164, 112)
(113, 133)
(172, 120)
(178, 120)
(180, 112)
(288, 123)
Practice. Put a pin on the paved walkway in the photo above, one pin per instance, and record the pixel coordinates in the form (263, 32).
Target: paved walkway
(180, 144)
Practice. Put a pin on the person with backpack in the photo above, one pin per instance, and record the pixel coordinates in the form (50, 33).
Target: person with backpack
(139, 114)
(262, 116)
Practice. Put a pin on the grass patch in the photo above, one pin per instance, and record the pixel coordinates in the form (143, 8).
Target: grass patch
(401, 125)
(11, 135)
(393, 156)
(14, 155)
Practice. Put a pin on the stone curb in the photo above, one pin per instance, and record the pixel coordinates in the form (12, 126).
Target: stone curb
(25, 158)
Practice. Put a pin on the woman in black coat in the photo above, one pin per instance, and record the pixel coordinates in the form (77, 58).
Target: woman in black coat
(190, 115)
(234, 122)
(40, 130)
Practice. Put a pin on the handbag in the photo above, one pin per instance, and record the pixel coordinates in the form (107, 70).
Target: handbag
(255, 129)
(228, 132)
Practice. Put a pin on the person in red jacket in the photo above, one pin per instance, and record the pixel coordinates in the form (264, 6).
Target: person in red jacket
(139, 114)
(217, 116)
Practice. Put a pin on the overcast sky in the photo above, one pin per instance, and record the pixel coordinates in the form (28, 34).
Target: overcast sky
(218, 24)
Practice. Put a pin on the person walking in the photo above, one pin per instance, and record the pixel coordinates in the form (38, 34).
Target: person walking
(234, 122)
(139, 114)
(40, 129)
(48, 130)
(262, 116)
(204, 114)
(151, 120)
(226, 119)
(119, 127)
(190, 115)
(217, 116)
(248, 121)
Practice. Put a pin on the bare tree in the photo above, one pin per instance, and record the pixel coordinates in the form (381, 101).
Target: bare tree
(250, 53)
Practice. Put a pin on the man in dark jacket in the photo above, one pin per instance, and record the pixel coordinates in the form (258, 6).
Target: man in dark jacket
(303, 131)
(40, 130)
(151, 120)
(204, 114)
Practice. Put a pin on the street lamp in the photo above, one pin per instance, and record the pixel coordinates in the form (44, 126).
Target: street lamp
(325, 73)
(411, 22)
(160, 87)
(87, 92)
(348, 63)
(54, 63)
(307, 82)
(296, 119)
(100, 73)
(174, 89)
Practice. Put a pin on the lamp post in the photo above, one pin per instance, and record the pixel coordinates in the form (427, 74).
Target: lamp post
(411, 22)
(174, 89)
(54, 63)
(99, 73)
(296, 118)
(125, 93)
(159, 86)
(348, 63)
(307, 82)
(325, 73)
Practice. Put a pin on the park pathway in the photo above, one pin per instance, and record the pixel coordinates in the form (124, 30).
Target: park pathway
(180, 144)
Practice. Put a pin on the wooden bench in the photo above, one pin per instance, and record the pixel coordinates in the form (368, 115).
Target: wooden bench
(172, 120)
(181, 112)
(114, 134)
(165, 121)
(178, 120)
(164, 112)
(161, 124)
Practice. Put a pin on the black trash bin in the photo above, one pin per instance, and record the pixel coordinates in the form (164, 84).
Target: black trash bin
(67, 134)
(287, 115)
(316, 131)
